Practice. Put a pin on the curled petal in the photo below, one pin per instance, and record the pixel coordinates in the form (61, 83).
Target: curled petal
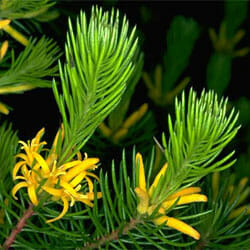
(22, 156)
(16, 169)
(83, 166)
(185, 191)
(178, 225)
(93, 175)
(185, 200)
(142, 179)
(78, 179)
(69, 165)
(17, 187)
(65, 209)
(143, 200)
(42, 162)
(157, 178)
(39, 135)
(69, 188)
(90, 183)
(32, 194)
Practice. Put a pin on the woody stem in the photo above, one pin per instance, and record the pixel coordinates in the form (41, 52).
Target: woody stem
(20, 225)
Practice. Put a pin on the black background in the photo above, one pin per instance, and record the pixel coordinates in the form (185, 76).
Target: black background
(37, 108)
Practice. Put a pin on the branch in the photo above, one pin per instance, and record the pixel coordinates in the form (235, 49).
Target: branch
(20, 225)
(112, 236)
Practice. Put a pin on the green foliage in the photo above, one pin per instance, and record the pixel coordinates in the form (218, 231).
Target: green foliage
(121, 227)
(219, 72)
(217, 230)
(201, 130)
(235, 14)
(16, 9)
(117, 116)
(8, 148)
(103, 64)
(32, 66)
(99, 62)
(181, 37)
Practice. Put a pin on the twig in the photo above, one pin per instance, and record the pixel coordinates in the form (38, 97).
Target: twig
(20, 225)
(112, 236)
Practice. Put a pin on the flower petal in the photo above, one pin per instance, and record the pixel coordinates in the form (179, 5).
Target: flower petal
(17, 187)
(16, 169)
(142, 207)
(185, 200)
(4, 22)
(238, 211)
(53, 191)
(3, 49)
(90, 183)
(78, 179)
(69, 165)
(93, 175)
(91, 196)
(157, 178)
(23, 156)
(32, 195)
(65, 209)
(84, 165)
(178, 225)
(142, 179)
(86, 201)
(42, 162)
(185, 191)
(69, 188)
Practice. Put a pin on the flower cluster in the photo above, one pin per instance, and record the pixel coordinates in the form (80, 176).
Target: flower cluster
(184, 196)
(43, 176)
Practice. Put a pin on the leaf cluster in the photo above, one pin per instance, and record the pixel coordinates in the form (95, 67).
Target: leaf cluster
(200, 132)
(99, 62)
(16, 9)
(32, 67)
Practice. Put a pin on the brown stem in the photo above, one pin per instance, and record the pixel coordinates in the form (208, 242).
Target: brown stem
(20, 225)
(200, 245)
(112, 236)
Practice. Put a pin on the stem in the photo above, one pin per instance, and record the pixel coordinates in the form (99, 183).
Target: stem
(20, 225)
(112, 236)
(200, 245)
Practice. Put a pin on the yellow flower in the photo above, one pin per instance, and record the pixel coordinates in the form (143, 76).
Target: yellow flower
(184, 196)
(63, 183)
(5, 25)
(117, 135)
(3, 49)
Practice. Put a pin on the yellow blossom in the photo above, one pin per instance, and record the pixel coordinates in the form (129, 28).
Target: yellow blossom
(3, 49)
(4, 109)
(5, 25)
(184, 196)
(117, 134)
(63, 183)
